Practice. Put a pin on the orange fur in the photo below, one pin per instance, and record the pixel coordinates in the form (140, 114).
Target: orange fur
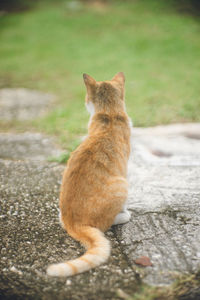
(94, 186)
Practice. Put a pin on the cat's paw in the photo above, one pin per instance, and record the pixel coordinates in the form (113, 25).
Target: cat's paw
(122, 218)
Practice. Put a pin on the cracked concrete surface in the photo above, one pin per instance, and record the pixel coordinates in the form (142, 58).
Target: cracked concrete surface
(32, 238)
(164, 199)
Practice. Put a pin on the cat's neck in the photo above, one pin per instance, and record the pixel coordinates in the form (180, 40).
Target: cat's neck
(103, 121)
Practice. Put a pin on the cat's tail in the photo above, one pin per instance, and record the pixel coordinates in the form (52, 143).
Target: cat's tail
(98, 251)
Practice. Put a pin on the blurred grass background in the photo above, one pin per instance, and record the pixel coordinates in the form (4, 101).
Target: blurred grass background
(48, 47)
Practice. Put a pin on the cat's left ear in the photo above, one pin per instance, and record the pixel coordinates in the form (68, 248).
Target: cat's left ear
(119, 77)
(89, 81)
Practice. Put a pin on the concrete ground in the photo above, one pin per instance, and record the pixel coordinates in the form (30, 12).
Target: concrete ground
(23, 104)
(164, 199)
(32, 239)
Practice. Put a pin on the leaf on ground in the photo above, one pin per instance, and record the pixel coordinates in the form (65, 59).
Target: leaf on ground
(143, 261)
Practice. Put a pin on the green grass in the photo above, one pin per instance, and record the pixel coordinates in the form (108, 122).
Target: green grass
(184, 284)
(50, 46)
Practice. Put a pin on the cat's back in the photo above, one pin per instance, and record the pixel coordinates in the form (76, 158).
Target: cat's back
(98, 158)
(109, 142)
(94, 152)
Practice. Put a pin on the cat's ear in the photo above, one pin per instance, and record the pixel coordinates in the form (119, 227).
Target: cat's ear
(119, 77)
(89, 81)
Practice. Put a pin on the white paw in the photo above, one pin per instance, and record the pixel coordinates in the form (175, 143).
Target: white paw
(122, 217)
(61, 269)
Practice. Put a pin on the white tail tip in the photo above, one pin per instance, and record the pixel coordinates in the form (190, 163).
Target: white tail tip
(60, 270)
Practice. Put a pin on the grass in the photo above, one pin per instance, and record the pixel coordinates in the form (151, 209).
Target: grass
(50, 46)
(185, 284)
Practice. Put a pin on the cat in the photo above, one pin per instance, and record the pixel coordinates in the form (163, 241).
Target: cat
(94, 186)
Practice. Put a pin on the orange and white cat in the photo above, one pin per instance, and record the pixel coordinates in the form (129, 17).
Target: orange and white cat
(94, 186)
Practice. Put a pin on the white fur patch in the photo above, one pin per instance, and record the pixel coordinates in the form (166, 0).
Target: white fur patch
(60, 219)
(130, 122)
(90, 108)
(122, 217)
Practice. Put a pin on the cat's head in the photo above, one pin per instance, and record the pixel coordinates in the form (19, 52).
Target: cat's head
(105, 96)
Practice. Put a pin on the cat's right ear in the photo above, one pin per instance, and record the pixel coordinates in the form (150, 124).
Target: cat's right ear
(89, 82)
(119, 77)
